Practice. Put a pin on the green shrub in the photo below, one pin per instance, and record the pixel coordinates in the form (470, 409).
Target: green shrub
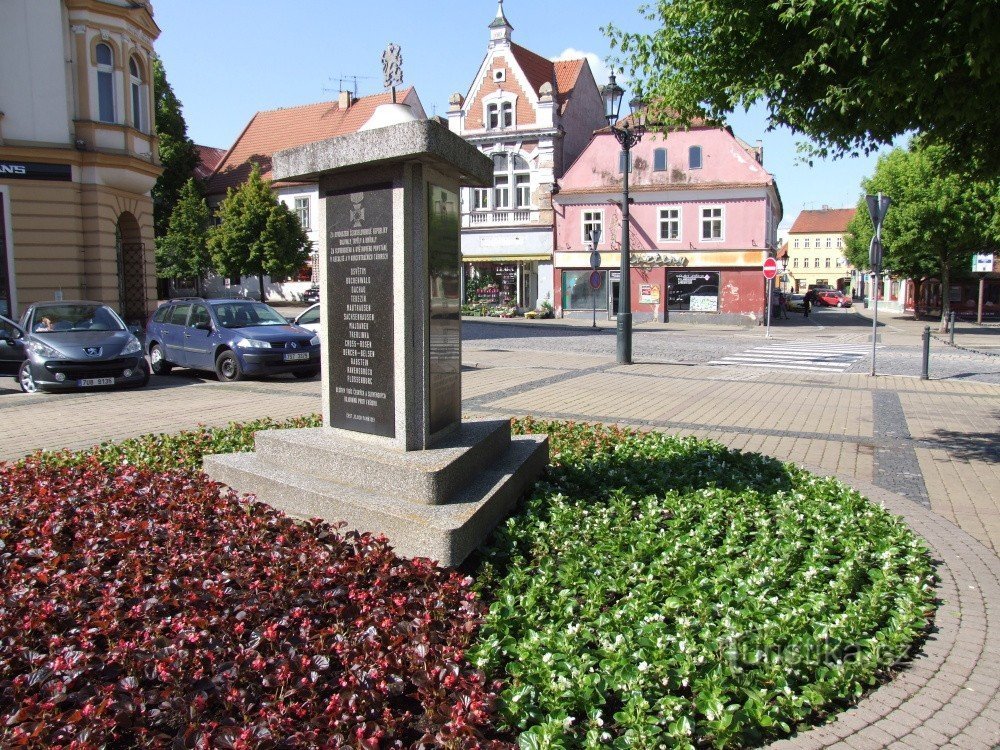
(666, 592)
(183, 450)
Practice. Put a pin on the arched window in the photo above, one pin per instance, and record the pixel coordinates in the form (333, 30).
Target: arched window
(137, 89)
(105, 83)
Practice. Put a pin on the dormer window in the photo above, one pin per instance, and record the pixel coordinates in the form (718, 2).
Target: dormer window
(105, 83)
(137, 89)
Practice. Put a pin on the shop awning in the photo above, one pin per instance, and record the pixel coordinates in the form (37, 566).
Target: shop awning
(503, 258)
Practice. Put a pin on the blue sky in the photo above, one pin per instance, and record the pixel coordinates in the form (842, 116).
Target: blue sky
(227, 59)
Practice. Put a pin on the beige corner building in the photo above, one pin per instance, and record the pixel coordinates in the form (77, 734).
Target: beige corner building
(78, 153)
(816, 251)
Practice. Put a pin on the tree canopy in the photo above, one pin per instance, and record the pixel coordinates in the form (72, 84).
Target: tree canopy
(178, 154)
(257, 235)
(939, 217)
(182, 253)
(851, 75)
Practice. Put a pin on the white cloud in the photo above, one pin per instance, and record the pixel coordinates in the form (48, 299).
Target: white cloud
(598, 67)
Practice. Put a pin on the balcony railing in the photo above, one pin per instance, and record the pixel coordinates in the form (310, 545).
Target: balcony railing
(501, 217)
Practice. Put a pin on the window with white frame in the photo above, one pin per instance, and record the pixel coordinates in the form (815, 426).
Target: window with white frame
(840, 242)
(828, 243)
(694, 157)
(806, 243)
(480, 199)
(591, 220)
(511, 172)
(826, 263)
(660, 160)
(795, 262)
(137, 89)
(817, 262)
(105, 83)
(796, 244)
(712, 223)
(522, 190)
(805, 263)
(670, 225)
(499, 115)
(302, 211)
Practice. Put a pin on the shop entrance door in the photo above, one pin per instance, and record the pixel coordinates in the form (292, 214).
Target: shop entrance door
(613, 287)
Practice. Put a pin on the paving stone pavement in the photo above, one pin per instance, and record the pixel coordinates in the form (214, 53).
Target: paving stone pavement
(904, 442)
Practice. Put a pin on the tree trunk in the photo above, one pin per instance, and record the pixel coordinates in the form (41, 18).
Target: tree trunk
(945, 296)
(197, 285)
(260, 279)
(917, 288)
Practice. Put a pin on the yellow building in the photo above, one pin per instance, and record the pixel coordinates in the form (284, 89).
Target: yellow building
(816, 247)
(78, 153)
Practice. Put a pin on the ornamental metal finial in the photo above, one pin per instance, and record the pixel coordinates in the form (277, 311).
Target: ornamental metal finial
(392, 68)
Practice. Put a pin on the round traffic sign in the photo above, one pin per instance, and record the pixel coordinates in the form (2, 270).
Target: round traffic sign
(595, 279)
(770, 268)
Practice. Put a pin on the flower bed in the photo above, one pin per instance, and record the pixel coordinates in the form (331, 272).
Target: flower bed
(146, 609)
(665, 592)
(650, 592)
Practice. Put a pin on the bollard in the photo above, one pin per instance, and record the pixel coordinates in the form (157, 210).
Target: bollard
(927, 353)
(951, 329)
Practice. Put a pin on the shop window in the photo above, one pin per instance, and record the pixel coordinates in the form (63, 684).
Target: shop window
(577, 294)
(697, 291)
(105, 83)
(694, 157)
(670, 224)
(712, 226)
(660, 160)
(592, 220)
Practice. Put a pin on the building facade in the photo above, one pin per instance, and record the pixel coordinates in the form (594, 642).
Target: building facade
(78, 154)
(271, 131)
(816, 247)
(704, 216)
(532, 117)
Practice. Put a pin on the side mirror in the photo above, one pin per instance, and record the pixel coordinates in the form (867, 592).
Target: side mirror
(203, 327)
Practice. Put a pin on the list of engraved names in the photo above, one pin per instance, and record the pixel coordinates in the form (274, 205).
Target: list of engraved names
(359, 225)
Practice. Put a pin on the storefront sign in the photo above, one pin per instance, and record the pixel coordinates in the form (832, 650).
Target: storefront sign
(649, 294)
(654, 260)
(359, 272)
(24, 170)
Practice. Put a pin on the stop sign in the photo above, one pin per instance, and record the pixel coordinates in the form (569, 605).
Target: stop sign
(770, 268)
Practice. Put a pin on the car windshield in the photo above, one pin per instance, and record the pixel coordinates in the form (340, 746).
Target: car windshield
(245, 314)
(74, 318)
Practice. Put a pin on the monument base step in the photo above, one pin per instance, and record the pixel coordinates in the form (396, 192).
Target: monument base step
(446, 532)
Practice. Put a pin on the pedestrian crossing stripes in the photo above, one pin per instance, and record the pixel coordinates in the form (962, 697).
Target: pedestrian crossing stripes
(799, 356)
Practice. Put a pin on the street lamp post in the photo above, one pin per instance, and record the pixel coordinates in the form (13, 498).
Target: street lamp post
(628, 135)
(784, 269)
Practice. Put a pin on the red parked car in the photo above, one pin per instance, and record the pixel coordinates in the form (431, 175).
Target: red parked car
(832, 298)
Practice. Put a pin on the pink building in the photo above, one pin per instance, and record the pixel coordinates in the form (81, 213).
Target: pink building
(704, 214)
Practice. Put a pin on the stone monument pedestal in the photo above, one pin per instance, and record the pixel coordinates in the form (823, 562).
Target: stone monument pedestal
(393, 455)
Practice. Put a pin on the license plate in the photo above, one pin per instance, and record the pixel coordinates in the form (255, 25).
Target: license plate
(87, 382)
(296, 357)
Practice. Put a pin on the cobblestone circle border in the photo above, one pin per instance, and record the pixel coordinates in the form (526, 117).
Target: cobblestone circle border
(949, 695)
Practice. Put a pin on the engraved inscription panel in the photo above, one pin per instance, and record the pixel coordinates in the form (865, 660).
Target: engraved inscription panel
(444, 267)
(359, 327)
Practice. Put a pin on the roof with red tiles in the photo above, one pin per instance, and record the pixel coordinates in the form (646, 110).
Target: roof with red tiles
(823, 220)
(567, 74)
(277, 129)
(208, 159)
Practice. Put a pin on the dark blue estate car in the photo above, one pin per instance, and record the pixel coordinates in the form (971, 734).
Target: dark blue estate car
(233, 337)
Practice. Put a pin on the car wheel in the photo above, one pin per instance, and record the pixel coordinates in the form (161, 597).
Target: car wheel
(26, 379)
(840, 304)
(157, 361)
(228, 367)
(306, 374)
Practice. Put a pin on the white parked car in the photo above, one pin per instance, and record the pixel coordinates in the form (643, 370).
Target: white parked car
(309, 319)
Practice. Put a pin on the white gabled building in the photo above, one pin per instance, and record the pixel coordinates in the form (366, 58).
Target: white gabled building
(533, 117)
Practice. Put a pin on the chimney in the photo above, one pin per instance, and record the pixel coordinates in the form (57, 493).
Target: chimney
(345, 99)
(760, 152)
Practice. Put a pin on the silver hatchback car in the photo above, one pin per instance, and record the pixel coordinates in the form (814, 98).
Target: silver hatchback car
(71, 345)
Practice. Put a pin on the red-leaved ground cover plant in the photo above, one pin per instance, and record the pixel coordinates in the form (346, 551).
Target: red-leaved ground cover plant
(159, 610)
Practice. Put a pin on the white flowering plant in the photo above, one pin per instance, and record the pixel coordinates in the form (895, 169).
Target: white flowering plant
(655, 591)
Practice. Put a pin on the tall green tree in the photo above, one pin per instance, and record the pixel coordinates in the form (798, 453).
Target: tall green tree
(939, 217)
(851, 75)
(178, 154)
(183, 253)
(257, 235)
